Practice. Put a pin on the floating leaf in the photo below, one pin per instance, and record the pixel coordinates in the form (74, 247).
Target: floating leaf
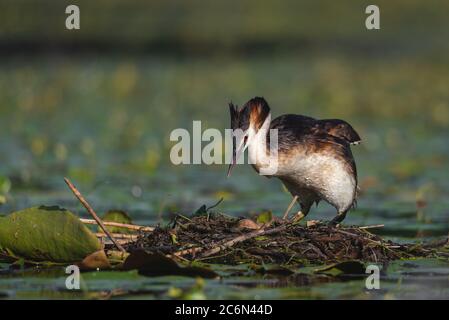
(174, 238)
(5, 185)
(264, 217)
(156, 264)
(46, 234)
(96, 260)
(116, 257)
(195, 292)
(273, 269)
(117, 216)
(353, 267)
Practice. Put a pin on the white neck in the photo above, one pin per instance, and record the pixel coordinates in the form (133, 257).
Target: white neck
(257, 150)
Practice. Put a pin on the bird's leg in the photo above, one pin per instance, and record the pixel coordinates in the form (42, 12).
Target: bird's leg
(339, 218)
(290, 206)
(305, 208)
(301, 214)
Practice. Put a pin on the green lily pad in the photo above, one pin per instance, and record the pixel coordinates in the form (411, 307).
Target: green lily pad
(117, 216)
(5, 185)
(156, 264)
(353, 267)
(46, 234)
(264, 217)
(196, 292)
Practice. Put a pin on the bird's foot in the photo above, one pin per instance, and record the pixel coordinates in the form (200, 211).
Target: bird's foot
(297, 217)
(333, 224)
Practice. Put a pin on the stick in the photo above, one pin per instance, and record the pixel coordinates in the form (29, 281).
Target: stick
(290, 206)
(370, 240)
(227, 244)
(121, 225)
(118, 236)
(242, 238)
(181, 253)
(92, 213)
(119, 240)
(213, 206)
(373, 226)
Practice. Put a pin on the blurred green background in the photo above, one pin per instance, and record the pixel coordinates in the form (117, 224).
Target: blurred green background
(98, 104)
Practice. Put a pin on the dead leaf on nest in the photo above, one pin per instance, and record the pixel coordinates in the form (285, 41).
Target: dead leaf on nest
(248, 224)
(312, 223)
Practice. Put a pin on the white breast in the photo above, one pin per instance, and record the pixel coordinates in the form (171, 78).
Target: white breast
(324, 174)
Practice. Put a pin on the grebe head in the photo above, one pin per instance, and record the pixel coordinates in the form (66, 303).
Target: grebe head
(246, 123)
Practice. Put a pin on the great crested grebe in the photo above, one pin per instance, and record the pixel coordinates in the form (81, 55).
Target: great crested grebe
(314, 158)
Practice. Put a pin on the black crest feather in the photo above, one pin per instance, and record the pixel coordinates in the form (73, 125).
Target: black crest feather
(234, 112)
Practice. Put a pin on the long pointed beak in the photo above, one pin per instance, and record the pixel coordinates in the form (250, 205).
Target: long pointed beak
(235, 157)
(230, 168)
(234, 161)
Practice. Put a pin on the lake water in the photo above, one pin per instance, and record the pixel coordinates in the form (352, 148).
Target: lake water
(105, 124)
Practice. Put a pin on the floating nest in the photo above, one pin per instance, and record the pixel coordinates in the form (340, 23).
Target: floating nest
(217, 238)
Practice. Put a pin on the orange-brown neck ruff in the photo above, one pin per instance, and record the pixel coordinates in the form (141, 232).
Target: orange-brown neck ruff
(258, 113)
